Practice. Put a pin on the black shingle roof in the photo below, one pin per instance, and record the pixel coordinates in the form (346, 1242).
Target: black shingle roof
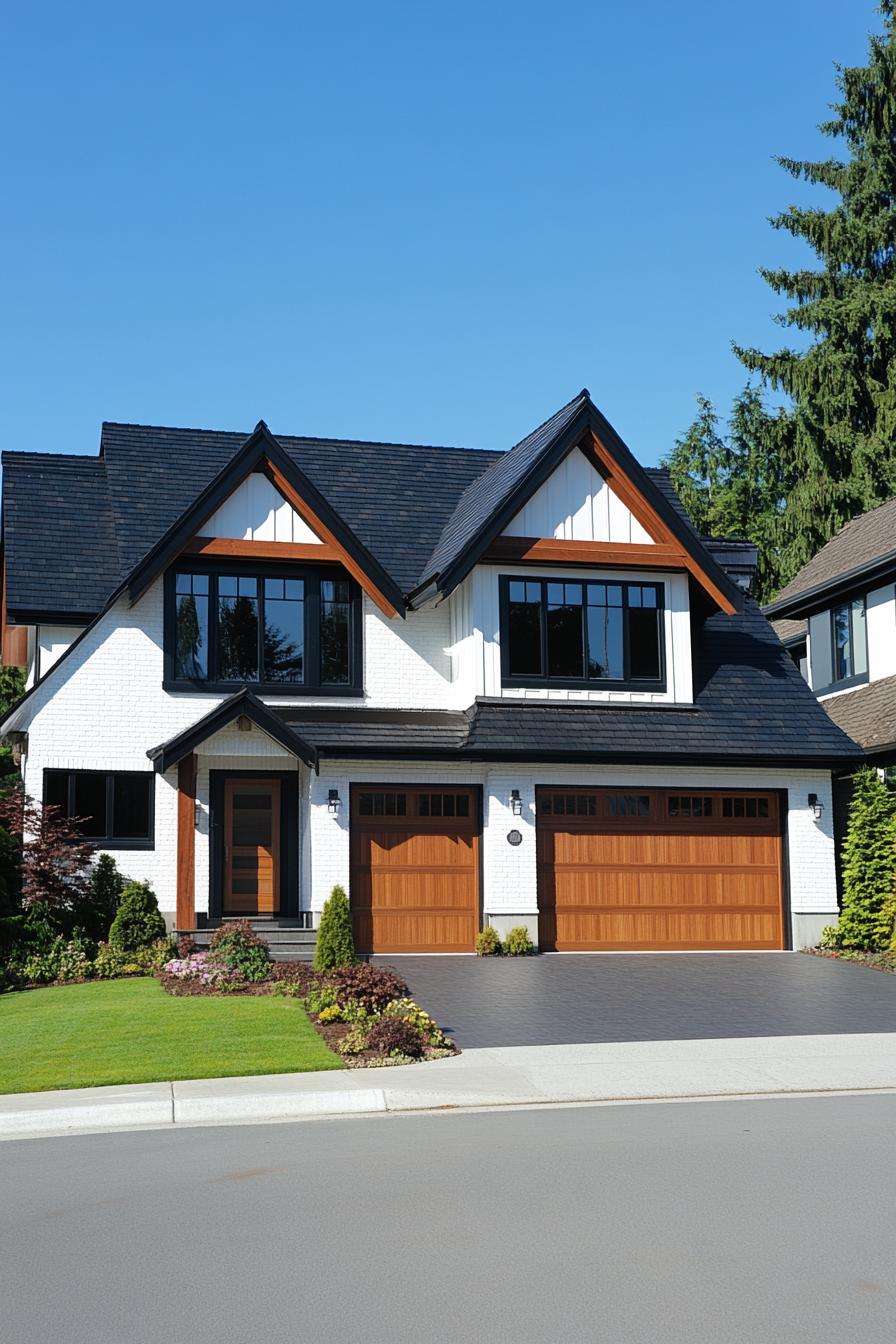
(751, 704)
(406, 503)
(481, 498)
(112, 510)
(58, 534)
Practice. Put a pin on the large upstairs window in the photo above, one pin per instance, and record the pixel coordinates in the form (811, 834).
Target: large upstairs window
(556, 632)
(849, 643)
(285, 630)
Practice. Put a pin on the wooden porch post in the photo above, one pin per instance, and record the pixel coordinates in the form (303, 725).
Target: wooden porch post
(186, 843)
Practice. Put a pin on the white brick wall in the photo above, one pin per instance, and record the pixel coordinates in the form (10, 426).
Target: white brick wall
(104, 707)
(509, 872)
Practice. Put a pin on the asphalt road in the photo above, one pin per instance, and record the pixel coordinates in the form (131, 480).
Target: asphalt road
(745, 1221)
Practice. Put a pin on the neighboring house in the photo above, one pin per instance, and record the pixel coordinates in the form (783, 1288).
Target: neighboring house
(508, 687)
(837, 619)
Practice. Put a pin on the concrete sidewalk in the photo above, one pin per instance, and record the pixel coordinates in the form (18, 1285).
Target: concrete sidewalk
(509, 1076)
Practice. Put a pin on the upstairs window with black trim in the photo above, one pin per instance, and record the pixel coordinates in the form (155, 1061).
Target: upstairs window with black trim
(287, 630)
(557, 632)
(116, 807)
(849, 643)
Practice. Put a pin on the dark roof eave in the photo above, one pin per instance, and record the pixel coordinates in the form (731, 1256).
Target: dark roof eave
(242, 702)
(522, 756)
(815, 598)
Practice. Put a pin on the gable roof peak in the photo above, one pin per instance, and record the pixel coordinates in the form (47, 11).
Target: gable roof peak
(262, 428)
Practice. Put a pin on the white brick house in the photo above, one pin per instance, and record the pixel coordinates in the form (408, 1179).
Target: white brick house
(506, 688)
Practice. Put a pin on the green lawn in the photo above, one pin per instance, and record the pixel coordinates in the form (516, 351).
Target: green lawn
(131, 1031)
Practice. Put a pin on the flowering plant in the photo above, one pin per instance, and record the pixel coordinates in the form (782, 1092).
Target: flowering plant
(197, 966)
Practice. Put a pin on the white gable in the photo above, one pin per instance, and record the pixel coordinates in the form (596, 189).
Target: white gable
(256, 511)
(576, 504)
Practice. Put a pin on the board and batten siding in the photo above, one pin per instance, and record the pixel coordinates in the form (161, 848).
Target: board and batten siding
(476, 643)
(256, 511)
(576, 504)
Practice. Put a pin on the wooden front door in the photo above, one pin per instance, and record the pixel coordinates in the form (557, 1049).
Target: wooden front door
(626, 869)
(251, 846)
(415, 867)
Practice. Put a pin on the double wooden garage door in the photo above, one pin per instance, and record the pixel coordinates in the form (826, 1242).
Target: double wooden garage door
(651, 868)
(415, 868)
(617, 869)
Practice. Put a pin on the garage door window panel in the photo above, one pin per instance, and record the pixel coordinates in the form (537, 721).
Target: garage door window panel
(557, 633)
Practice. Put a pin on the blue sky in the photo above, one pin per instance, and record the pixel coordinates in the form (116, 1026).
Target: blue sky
(407, 221)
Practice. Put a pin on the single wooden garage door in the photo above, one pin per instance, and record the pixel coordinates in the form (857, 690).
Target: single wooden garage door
(415, 868)
(622, 869)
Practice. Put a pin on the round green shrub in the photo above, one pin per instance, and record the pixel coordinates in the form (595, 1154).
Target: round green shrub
(335, 940)
(518, 943)
(138, 922)
(488, 944)
(238, 947)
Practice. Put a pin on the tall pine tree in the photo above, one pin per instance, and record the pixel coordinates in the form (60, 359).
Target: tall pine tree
(838, 436)
(733, 484)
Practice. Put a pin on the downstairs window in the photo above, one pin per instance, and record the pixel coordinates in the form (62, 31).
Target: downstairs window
(117, 807)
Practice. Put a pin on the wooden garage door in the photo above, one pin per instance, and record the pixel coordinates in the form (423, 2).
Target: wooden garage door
(622, 869)
(415, 868)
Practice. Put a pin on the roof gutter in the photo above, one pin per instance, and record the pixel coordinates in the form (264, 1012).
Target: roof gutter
(814, 599)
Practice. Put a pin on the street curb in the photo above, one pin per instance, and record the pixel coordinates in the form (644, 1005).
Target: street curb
(489, 1078)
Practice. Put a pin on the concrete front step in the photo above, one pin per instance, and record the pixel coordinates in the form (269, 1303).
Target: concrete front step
(285, 938)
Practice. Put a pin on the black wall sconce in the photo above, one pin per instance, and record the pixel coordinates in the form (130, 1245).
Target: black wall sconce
(516, 803)
(334, 802)
(816, 806)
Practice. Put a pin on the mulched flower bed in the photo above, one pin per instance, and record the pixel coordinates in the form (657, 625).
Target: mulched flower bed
(875, 961)
(379, 991)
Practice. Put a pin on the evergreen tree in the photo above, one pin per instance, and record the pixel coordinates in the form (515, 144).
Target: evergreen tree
(733, 484)
(838, 435)
(869, 866)
(335, 940)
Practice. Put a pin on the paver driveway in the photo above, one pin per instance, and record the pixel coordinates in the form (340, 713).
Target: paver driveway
(566, 998)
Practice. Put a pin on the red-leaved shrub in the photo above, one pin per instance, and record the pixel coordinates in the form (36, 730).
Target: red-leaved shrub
(394, 1036)
(371, 986)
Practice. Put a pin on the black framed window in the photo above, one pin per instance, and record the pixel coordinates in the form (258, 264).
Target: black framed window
(287, 629)
(562, 632)
(849, 643)
(117, 806)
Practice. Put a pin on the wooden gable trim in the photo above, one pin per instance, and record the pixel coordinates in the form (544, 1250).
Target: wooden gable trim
(610, 554)
(263, 550)
(625, 489)
(307, 514)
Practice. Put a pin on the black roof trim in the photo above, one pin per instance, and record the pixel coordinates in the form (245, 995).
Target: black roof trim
(585, 416)
(260, 446)
(816, 598)
(35, 616)
(242, 703)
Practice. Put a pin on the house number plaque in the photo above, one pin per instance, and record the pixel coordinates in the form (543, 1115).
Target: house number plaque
(514, 838)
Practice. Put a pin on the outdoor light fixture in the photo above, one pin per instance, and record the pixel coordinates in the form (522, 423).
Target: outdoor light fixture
(816, 806)
(334, 802)
(197, 813)
(516, 803)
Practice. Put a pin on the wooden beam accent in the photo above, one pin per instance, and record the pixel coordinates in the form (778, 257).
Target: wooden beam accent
(186, 843)
(263, 550)
(631, 496)
(14, 642)
(318, 526)
(557, 551)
